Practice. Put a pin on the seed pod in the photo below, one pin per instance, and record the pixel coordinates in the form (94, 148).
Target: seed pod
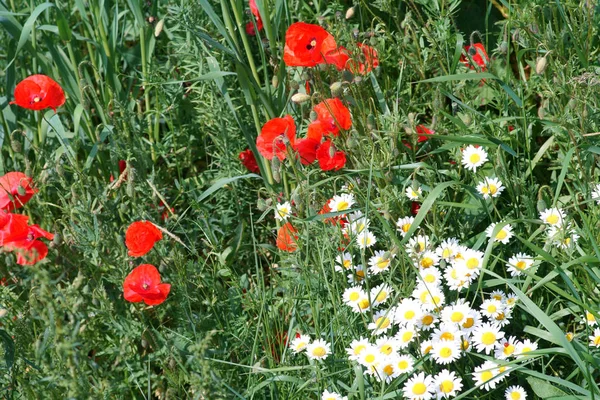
(159, 27)
(300, 98)
(540, 65)
(336, 89)
(350, 13)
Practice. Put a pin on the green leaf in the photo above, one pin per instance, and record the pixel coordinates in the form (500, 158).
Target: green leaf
(28, 27)
(9, 348)
(222, 182)
(544, 389)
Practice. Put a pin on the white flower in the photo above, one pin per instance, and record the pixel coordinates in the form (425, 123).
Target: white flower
(413, 194)
(431, 276)
(405, 336)
(352, 296)
(382, 321)
(431, 297)
(370, 357)
(491, 308)
(427, 321)
(365, 239)
(486, 375)
(498, 295)
(590, 319)
(343, 262)
(519, 263)
(404, 224)
(515, 393)
(472, 322)
(456, 314)
(283, 211)
(596, 193)
(407, 312)
(444, 331)
(357, 346)
(473, 157)
(447, 384)
(448, 249)
(553, 216)
(595, 338)
(417, 245)
(445, 351)
(387, 345)
(299, 344)
(357, 226)
(341, 202)
(419, 387)
(506, 348)
(490, 187)
(381, 293)
(404, 364)
(318, 350)
(503, 236)
(564, 236)
(427, 259)
(380, 262)
(524, 347)
(357, 275)
(327, 395)
(486, 337)
(385, 370)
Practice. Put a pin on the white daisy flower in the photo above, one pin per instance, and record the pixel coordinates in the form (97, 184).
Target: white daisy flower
(357, 275)
(343, 262)
(446, 332)
(553, 216)
(404, 364)
(283, 211)
(457, 276)
(431, 276)
(511, 300)
(427, 321)
(565, 236)
(382, 322)
(357, 346)
(352, 296)
(341, 202)
(474, 157)
(426, 346)
(431, 297)
(590, 319)
(486, 375)
(445, 351)
(447, 249)
(417, 245)
(456, 314)
(380, 262)
(419, 387)
(413, 194)
(491, 308)
(381, 293)
(354, 216)
(503, 236)
(327, 395)
(447, 384)
(524, 347)
(363, 306)
(404, 224)
(503, 318)
(370, 357)
(407, 312)
(386, 370)
(472, 322)
(506, 348)
(387, 345)
(490, 187)
(515, 393)
(357, 226)
(427, 259)
(472, 260)
(365, 239)
(486, 337)
(318, 350)
(596, 193)
(498, 295)
(595, 338)
(300, 343)
(405, 336)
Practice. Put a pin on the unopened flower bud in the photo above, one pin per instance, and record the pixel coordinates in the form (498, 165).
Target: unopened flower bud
(275, 168)
(540, 65)
(350, 13)
(275, 81)
(371, 122)
(159, 27)
(300, 98)
(313, 116)
(336, 89)
(294, 85)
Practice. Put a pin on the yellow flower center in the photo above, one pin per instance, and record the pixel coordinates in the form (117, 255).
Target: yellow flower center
(427, 350)
(597, 341)
(419, 388)
(354, 296)
(388, 369)
(386, 349)
(493, 189)
(447, 336)
(485, 189)
(508, 350)
(446, 386)
(370, 358)
(457, 316)
(488, 338)
(319, 351)
(381, 296)
(500, 317)
(364, 304)
(427, 320)
(402, 365)
(526, 350)
(472, 263)
(283, 212)
(515, 395)
(358, 349)
(347, 264)
(410, 314)
(405, 228)
(475, 158)
(447, 253)
(464, 344)
(491, 308)
(590, 318)
(301, 345)
(382, 264)
(360, 275)
(407, 336)
(445, 352)
(552, 219)
(426, 262)
(486, 376)
(521, 265)
(342, 205)
(382, 322)
(501, 235)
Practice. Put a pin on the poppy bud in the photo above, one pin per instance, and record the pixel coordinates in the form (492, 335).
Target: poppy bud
(373, 41)
(347, 76)
(15, 143)
(371, 122)
(275, 81)
(503, 47)
(159, 27)
(350, 13)
(336, 89)
(275, 168)
(56, 240)
(300, 98)
(21, 190)
(313, 116)
(261, 204)
(294, 85)
(332, 150)
(541, 205)
(540, 65)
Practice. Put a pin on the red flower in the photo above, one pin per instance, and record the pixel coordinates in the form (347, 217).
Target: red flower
(329, 157)
(333, 115)
(338, 57)
(248, 160)
(478, 54)
(15, 190)
(371, 60)
(338, 219)
(307, 150)
(38, 92)
(122, 166)
(13, 227)
(259, 24)
(286, 238)
(306, 45)
(140, 238)
(143, 284)
(424, 133)
(273, 137)
(415, 207)
(30, 250)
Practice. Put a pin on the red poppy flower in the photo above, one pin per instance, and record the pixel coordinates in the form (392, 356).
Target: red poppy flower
(371, 60)
(140, 238)
(122, 167)
(38, 92)
(13, 227)
(424, 133)
(30, 250)
(286, 238)
(274, 135)
(306, 45)
(478, 54)
(248, 160)
(143, 284)
(259, 24)
(333, 115)
(338, 219)
(307, 150)
(415, 207)
(330, 158)
(338, 57)
(15, 190)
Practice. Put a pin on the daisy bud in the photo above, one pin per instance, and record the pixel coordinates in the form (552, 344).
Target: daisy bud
(540, 65)
(159, 27)
(336, 89)
(300, 98)
(350, 13)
